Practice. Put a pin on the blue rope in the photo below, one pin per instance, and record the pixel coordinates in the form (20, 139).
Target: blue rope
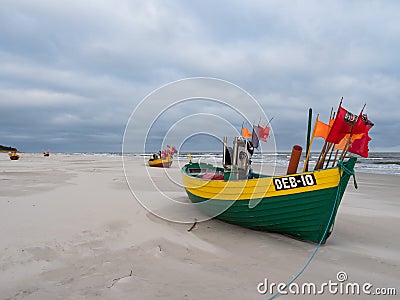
(348, 172)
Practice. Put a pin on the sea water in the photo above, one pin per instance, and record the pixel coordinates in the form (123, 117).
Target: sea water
(376, 163)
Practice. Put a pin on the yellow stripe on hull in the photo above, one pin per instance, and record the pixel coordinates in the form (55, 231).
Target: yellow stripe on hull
(256, 188)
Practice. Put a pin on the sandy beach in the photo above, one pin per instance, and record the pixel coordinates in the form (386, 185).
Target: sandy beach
(71, 229)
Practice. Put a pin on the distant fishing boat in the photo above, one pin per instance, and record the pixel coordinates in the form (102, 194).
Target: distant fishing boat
(14, 155)
(46, 153)
(162, 159)
(302, 205)
(160, 162)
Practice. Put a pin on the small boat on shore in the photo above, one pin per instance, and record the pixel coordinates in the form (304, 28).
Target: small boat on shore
(14, 155)
(160, 162)
(162, 159)
(46, 153)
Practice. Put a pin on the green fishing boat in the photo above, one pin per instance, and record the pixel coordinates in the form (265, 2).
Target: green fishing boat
(302, 205)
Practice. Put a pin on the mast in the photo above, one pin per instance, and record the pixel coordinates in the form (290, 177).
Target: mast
(224, 152)
(234, 161)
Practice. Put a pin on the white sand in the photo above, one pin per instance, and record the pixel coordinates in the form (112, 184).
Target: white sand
(69, 225)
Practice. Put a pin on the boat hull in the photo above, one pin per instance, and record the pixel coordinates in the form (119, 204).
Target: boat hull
(14, 157)
(161, 163)
(306, 213)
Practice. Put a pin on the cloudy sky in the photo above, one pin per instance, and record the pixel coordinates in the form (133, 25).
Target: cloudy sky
(72, 73)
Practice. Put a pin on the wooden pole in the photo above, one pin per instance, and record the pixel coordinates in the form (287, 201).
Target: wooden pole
(346, 148)
(223, 152)
(322, 160)
(320, 155)
(334, 160)
(329, 158)
(308, 146)
(326, 147)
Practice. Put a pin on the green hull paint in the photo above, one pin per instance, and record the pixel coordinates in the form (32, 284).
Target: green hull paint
(305, 216)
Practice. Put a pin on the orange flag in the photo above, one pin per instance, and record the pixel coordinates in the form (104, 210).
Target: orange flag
(246, 133)
(321, 129)
(343, 141)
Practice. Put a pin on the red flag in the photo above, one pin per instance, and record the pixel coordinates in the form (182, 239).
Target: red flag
(172, 151)
(360, 146)
(359, 126)
(264, 132)
(343, 124)
(362, 125)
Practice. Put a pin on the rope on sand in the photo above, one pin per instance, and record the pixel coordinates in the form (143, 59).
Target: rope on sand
(115, 280)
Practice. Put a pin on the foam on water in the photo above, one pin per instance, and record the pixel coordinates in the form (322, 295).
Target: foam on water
(376, 163)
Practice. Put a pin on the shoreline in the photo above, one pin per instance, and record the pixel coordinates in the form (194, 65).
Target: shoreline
(361, 166)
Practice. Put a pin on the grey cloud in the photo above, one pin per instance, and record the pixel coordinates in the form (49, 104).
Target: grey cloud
(72, 73)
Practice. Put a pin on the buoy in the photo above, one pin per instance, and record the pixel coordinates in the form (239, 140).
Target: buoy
(294, 159)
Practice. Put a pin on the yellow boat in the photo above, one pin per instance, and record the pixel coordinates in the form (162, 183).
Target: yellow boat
(14, 155)
(160, 162)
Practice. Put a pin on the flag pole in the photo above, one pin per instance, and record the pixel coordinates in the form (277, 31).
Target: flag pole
(330, 156)
(336, 155)
(308, 137)
(320, 155)
(326, 147)
(322, 160)
(345, 149)
(305, 168)
(269, 121)
(333, 148)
